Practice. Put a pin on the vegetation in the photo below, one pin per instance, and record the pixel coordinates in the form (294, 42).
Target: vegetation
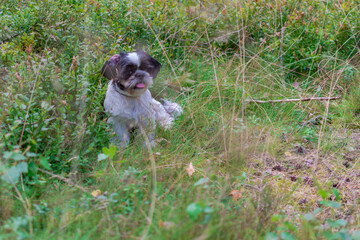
(262, 170)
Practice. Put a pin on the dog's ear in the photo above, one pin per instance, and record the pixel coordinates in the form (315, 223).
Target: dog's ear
(152, 66)
(109, 68)
(156, 68)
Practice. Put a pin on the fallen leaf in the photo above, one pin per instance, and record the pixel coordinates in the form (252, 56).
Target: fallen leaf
(166, 225)
(236, 194)
(17, 76)
(190, 169)
(288, 154)
(64, 102)
(28, 49)
(96, 193)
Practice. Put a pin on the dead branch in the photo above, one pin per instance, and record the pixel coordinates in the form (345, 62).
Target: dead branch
(19, 33)
(66, 180)
(295, 100)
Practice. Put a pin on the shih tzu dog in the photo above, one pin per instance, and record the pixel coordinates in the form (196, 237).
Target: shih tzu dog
(128, 99)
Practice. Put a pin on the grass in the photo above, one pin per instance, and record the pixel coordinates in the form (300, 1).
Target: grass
(262, 171)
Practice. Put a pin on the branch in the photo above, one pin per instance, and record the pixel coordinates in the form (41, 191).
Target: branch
(295, 100)
(66, 180)
(9, 38)
(19, 33)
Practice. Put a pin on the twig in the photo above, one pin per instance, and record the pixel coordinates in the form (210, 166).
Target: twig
(295, 100)
(314, 119)
(251, 186)
(19, 33)
(66, 180)
(11, 37)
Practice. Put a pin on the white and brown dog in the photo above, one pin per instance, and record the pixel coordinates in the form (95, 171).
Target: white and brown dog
(128, 99)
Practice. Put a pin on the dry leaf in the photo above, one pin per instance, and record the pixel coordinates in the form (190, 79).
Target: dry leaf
(166, 225)
(310, 9)
(17, 76)
(97, 48)
(236, 194)
(96, 193)
(74, 63)
(190, 169)
(28, 49)
(288, 154)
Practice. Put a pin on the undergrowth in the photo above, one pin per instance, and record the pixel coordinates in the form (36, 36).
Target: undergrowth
(273, 170)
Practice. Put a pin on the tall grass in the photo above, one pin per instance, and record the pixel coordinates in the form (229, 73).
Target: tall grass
(294, 165)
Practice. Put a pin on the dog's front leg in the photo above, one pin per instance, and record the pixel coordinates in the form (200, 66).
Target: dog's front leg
(121, 130)
(161, 116)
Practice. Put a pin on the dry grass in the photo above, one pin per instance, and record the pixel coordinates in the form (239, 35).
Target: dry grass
(286, 160)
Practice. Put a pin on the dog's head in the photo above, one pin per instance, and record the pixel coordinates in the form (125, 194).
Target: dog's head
(133, 72)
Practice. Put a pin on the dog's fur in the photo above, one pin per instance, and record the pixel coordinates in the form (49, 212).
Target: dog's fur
(128, 99)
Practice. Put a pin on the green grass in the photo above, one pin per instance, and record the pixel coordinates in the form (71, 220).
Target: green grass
(295, 164)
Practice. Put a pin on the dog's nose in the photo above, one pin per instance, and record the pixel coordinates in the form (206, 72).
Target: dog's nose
(140, 74)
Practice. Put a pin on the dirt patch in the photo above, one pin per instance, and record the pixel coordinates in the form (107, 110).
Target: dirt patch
(301, 172)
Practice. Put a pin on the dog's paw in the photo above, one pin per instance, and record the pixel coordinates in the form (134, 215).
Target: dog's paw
(172, 108)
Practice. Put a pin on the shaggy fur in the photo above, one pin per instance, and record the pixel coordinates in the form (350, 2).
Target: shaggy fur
(128, 99)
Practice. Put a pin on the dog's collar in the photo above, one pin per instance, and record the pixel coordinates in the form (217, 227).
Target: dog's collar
(118, 90)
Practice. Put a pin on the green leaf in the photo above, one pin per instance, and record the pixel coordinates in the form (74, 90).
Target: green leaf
(344, 235)
(201, 181)
(208, 209)
(7, 154)
(356, 235)
(276, 218)
(330, 204)
(193, 210)
(289, 225)
(14, 155)
(11, 175)
(22, 167)
(337, 194)
(271, 236)
(322, 193)
(45, 163)
(18, 157)
(31, 154)
(317, 210)
(287, 236)
(337, 223)
(110, 151)
(102, 156)
(309, 216)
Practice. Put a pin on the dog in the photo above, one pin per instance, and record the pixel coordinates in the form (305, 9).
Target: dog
(128, 99)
